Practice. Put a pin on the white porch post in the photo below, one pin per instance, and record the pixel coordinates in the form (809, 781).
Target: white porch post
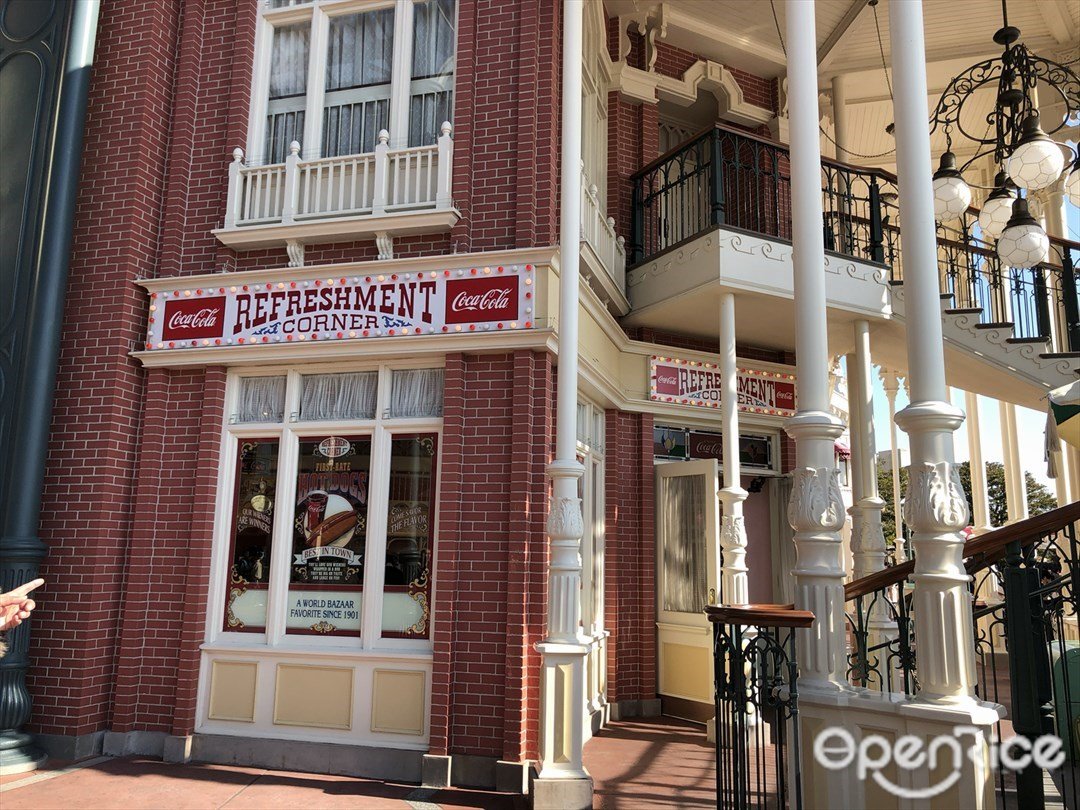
(733, 582)
(936, 509)
(979, 496)
(890, 381)
(867, 538)
(563, 781)
(816, 509)
(1015, 489)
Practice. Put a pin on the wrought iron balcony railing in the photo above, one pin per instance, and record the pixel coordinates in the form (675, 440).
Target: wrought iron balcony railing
(724, 178)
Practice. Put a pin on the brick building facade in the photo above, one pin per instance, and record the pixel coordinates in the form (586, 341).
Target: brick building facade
(139, 507)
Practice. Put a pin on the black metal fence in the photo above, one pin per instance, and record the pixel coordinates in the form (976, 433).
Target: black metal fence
(727, 178)
(757, 706)
(1027, 643)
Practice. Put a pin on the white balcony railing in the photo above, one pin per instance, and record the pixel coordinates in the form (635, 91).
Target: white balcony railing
(387, 181)
(598, 231)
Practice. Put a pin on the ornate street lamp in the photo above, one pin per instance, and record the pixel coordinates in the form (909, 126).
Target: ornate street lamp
(1027, 156)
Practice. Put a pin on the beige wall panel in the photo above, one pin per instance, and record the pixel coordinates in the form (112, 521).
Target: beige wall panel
(687, 672)
(315, 696)
(398, 701)
(232, 690)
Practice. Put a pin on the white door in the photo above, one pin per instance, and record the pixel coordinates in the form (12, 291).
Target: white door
(687, 578)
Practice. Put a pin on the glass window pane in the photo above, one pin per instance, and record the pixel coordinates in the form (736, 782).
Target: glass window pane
(359, 63)
(409, 539)
(250, 535)
(339, 396)
(417, 392)
(261, 399)
(288, 90)
(329, 536)
(432, 88)
(683, 513)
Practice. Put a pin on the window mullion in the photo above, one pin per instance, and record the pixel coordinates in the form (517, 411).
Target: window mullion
(264, 47)
(316, 85)
(401, 77)
(277, 596)
(375, 555)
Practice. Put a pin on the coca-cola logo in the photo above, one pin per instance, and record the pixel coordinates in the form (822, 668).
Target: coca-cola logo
(706, 446)
(197, 318)
(482, 300)
(667, 381)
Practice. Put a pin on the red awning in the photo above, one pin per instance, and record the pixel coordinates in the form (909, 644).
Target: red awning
(842, 450)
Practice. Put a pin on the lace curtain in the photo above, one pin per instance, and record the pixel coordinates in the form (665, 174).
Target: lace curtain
(683, 513)
(289, 60)
(431, 91)
(338, 396)
(417, 392)
(261, 399)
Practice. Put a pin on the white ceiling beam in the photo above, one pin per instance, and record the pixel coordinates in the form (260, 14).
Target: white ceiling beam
(843, 28)
(974, 53)
(1058, 19)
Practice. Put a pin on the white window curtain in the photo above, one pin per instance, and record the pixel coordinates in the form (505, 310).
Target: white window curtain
(683, 510)
(417, 393)
(261, 399)
(432, 86)
(359, 63)
(288, 89)
(338, 396)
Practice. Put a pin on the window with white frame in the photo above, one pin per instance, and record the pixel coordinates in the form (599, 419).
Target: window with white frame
(331, 74)
(331, 526)
(594, 76)
(590, 452)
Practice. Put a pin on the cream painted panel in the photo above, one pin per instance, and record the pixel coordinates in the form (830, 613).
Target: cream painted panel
(397, 701)
(315, 696)
(597, 347)
(686, 671)
(232, 690)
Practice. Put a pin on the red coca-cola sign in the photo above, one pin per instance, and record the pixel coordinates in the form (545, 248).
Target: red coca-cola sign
(194, 318)
(480, 300)
(706, 445)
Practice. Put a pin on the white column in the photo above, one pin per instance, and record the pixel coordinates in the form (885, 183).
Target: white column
(564, 650)
(867, 538)
(1015, 488)
(936, 509)
(816, 509)
(839, 117)
(733, 582)
(979, 496)
(890, 381)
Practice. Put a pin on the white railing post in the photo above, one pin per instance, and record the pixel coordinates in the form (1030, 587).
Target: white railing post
(382, 173)
(236, 191)
(292, 184)
(446, 167)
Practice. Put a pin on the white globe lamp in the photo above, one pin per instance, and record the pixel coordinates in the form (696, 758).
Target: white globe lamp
(997, 210)
(1023, 243)
(1036, 161)
(1072, 185)
(952, 196)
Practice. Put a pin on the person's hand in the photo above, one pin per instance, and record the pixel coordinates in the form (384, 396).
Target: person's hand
(16, 605)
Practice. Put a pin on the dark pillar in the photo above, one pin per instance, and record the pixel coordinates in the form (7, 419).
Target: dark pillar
(45, 55)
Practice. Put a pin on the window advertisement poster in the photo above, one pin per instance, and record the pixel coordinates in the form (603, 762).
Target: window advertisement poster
(252, 530)
(329, 535)
(409, 537)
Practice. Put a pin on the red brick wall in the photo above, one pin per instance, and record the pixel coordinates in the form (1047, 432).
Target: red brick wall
(630, 554)
(673, 61)
(491, 562)
(86, 504)
(168, 558)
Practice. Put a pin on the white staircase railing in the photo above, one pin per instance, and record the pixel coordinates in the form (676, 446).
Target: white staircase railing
(384, 181)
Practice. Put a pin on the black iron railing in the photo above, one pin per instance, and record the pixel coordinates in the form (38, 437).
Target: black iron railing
(731, 179)
(1027, 641)
(757, 706)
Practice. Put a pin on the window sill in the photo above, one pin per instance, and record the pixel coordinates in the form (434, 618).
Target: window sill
(339, 229)
(293, 648)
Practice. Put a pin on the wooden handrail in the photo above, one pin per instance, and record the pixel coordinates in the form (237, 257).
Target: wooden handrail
(760, 615)
(979, 552)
